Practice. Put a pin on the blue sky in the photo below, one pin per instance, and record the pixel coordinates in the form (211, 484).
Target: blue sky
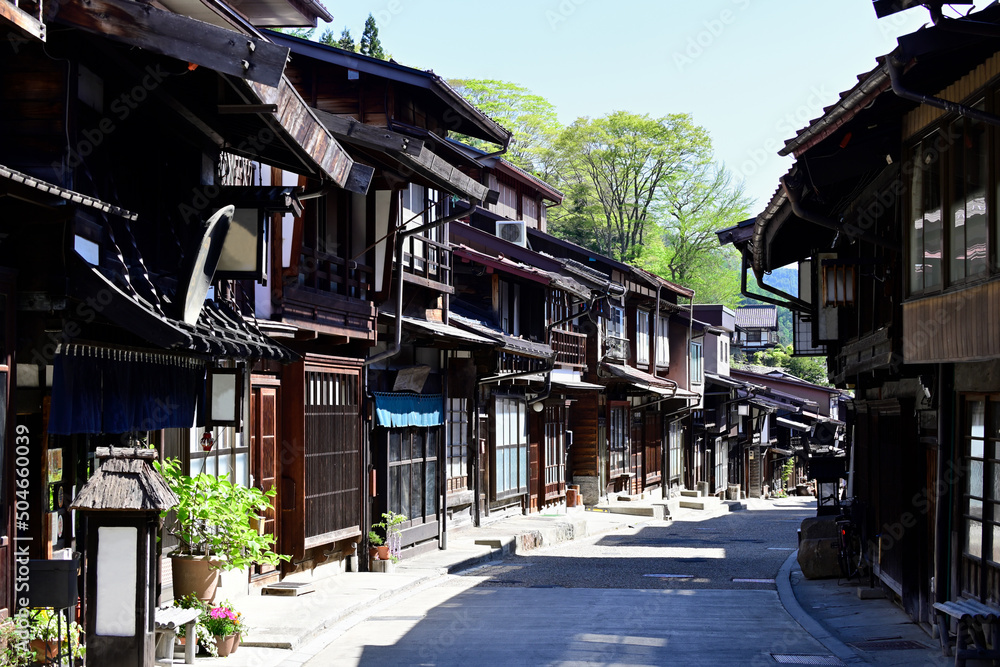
(751, 72)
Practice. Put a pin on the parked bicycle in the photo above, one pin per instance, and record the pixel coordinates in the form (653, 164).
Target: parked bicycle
(850, 555)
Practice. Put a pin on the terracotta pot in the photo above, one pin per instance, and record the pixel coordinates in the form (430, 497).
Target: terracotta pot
(195, 574)
(44, 650)
(225, 644)
(383, 552)
(236, 643)
(372, 552)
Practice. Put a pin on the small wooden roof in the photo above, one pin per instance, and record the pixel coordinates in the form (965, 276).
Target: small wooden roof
(126, 480)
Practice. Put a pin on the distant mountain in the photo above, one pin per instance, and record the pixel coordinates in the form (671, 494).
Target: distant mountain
(786, 279)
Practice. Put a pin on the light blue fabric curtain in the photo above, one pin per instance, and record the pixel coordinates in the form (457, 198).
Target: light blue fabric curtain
(397, 410)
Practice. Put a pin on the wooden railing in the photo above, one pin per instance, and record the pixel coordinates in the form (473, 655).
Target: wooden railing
(335, 275)
(427, 260)
(570, 347)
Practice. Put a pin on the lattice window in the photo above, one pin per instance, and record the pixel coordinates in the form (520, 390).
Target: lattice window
(510, 455)
(332, 452)
(457, 430)
(555, 444)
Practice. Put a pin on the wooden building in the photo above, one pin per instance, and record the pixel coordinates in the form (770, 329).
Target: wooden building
(890, 212)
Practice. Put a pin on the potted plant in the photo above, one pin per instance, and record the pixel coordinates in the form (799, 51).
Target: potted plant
(41, 628)
(390, 525)
(212, 523)
(204, 639)
(376, 543)
(225, 625)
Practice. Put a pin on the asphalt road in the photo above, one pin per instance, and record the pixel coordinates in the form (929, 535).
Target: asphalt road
(697, 591)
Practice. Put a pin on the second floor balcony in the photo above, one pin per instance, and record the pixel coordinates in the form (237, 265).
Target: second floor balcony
(427, 262)
(570, 348)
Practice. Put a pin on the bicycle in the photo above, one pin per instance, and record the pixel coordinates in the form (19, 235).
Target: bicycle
(850, 554)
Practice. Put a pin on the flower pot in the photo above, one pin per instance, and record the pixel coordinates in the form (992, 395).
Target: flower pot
(236, 643)
(45, 650)
(570, 497)
(225, 644)
(372, 552)
(195, 574)
(383, 552)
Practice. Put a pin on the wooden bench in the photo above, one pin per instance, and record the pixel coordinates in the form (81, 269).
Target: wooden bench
(167, 622)
(975, 621)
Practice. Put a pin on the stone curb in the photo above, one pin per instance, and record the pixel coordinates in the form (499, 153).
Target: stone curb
(845, 653)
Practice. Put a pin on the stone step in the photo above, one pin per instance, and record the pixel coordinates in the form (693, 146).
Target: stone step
(657, 510)
(686, 493)
(707, 502)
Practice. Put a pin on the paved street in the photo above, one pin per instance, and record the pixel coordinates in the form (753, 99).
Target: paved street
(658, 593)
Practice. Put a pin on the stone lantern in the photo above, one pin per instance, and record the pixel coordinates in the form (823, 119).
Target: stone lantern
(121, 504)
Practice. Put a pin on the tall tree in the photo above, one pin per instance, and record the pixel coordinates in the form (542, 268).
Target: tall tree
(702, 200)
(370, 44)
(623, 166)
(530, 118)
(346, 42)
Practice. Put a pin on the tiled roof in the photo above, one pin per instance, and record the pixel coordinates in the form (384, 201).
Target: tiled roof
(757, 317)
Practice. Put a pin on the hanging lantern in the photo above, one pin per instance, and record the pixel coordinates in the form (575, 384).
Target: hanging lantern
(207, 441)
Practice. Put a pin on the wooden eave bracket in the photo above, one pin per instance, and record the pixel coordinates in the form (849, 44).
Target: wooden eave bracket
(22, 19)
(177, 36)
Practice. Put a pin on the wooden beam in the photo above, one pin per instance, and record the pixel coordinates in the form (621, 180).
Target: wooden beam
(142, 25)
(434, 167)
(359, 178)
(229, 109)
(302, 126)
(22, 19)
(369, 136)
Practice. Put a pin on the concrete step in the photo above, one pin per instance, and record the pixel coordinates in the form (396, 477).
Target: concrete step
(685, 493)
(705, 503)
(657, 511)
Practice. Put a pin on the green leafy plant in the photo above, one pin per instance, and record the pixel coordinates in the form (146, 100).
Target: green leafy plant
(205, 640)
(390, 525)
(14, 649)
(213, 518)
(375, 539)
(43, 624)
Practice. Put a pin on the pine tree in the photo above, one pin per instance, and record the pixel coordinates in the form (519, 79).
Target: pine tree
(327, 38)
(346, 42)
(370, 45)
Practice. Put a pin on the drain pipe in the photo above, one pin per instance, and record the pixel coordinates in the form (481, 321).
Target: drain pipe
(795, 200)
(401, 236)
(895, 70)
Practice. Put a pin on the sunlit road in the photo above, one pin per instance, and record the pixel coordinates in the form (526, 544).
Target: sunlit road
(694, 592)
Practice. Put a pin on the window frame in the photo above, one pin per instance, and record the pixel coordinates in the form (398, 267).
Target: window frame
(510, 447)
(642, 336)
(697, 375)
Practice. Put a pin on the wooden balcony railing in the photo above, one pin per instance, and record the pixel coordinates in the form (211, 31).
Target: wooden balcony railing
(570, 348)
(427, 262)
(328, 273)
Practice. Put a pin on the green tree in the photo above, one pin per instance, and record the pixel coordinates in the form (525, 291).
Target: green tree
(370, 44)
(810, 369)
(301, 33)
(346, 42)
(621, 168)
(530, 118)
(327, 38)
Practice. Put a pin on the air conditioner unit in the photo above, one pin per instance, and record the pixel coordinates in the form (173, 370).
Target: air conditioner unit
(513, 231)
